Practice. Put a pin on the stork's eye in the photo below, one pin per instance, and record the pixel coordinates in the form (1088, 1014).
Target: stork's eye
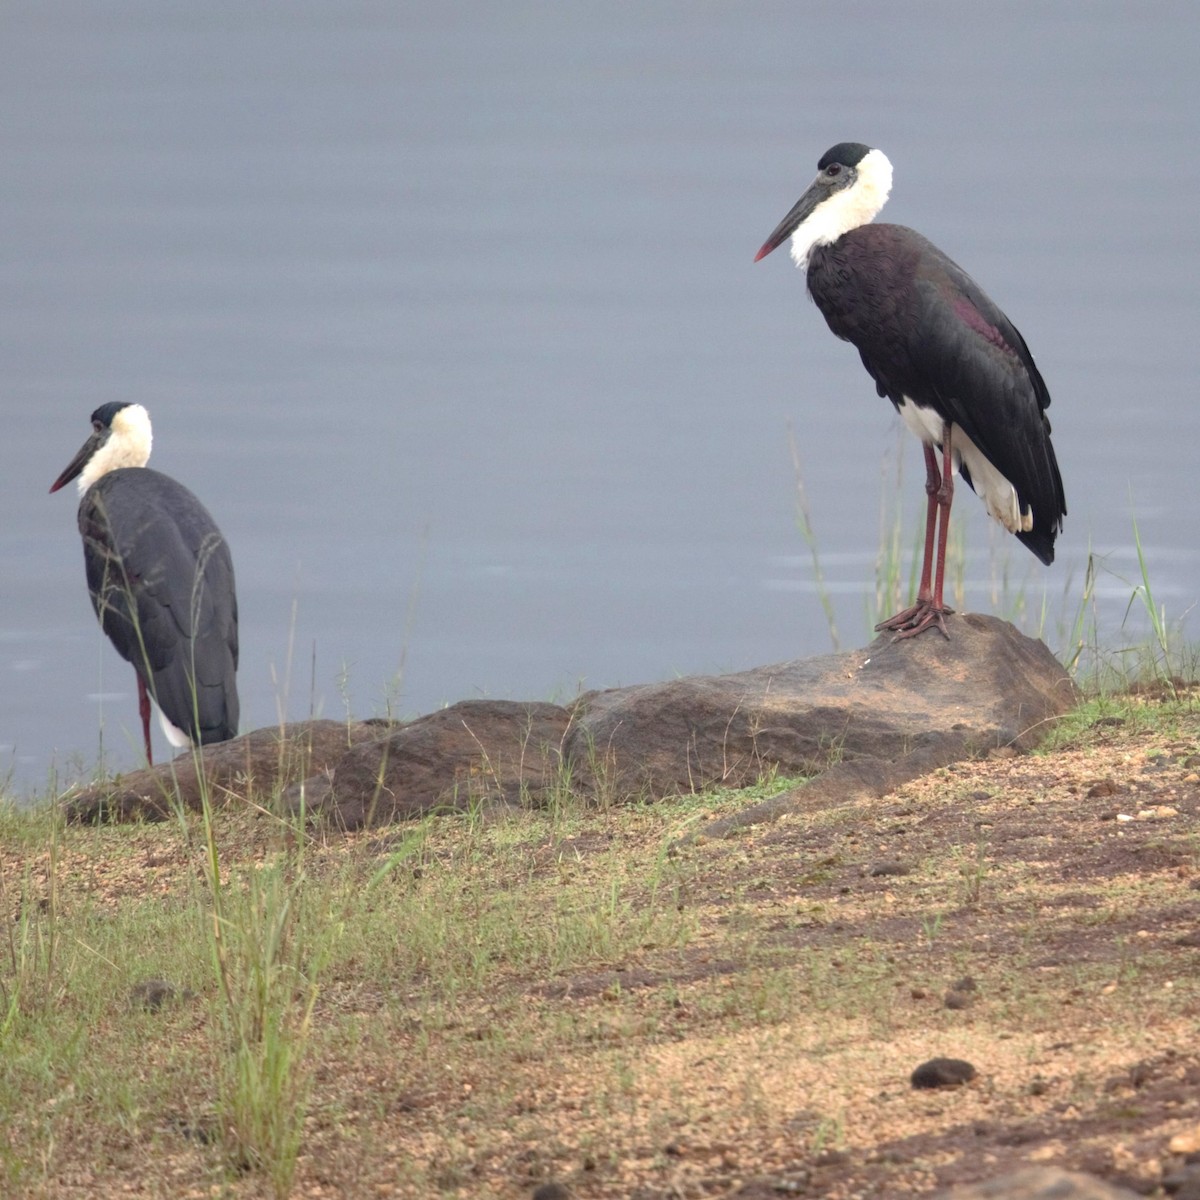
(833, 170)
(96, 426)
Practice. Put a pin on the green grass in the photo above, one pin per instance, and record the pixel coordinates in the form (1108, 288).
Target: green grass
(264, 932)
(266, 957)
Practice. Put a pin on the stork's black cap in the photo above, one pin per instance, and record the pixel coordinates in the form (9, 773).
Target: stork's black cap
(849, 154)
(105, 413)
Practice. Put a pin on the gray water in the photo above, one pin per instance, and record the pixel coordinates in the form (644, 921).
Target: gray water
(448, 313)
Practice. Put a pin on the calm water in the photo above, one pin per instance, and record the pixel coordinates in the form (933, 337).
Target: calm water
(447, 311)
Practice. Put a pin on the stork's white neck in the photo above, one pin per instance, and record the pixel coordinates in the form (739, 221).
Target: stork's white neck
(127, 445)
(848, 209)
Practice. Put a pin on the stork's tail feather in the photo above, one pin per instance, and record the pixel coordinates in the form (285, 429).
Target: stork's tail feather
(1040, 542)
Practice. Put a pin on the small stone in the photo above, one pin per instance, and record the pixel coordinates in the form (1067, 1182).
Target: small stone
(1183, 1183)
(153, 994)
(943, 1072)
(203, 1132)
(1140, 1074)
(1039, 1183)
(1104, 787)
(1185, 1143)
(551, 1191)
(1158, 762)
(889, 867)
(831, 1158)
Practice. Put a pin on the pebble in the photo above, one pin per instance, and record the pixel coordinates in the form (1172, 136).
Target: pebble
(1185, 1143)
(889, 867)
(153, 994)
(1184, 1183)
(943, 1072)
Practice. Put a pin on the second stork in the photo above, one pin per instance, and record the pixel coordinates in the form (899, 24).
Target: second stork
(161, 580)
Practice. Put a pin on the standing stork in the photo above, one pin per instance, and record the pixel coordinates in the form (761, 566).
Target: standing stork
(161, 580)
(940, 350)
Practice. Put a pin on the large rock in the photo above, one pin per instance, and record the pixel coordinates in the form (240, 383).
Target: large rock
(255, 766)
(987, 686)
(473, 753)
(864, 721)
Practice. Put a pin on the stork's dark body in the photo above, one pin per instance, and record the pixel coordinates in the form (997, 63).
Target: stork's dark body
(161, 580)
(930, 336)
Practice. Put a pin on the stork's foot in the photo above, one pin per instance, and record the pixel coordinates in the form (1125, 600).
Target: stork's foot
(922, 616)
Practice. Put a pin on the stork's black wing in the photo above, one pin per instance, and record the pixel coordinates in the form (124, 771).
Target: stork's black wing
(161, 580)
(929, 334)
(979, 373)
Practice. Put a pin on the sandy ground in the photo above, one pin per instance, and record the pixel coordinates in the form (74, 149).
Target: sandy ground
(1037, 917)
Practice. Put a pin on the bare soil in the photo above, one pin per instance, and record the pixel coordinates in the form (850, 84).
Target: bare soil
(1035, 916)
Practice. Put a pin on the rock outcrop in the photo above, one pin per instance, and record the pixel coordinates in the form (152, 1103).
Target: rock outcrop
(988, 686)
(860, 720)
(254, 766)
(473, 753)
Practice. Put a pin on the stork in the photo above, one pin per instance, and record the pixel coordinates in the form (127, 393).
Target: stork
(955, 367)
(161, 580)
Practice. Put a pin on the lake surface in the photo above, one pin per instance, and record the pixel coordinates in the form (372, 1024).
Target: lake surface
(448, 314)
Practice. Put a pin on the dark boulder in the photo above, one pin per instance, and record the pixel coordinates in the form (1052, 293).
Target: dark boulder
(863, 721)
(474, 753)
(256, 765)
(943, 1072)
(989, 686)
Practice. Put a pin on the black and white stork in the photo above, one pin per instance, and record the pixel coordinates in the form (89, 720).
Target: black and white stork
(955, 367)
(161, 580)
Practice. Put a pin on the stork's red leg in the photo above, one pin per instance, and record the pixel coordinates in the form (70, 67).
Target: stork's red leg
(933, 482)
(144, 710)
(945, 499)
(930, 609)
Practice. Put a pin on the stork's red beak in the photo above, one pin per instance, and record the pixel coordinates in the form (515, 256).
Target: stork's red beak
(79, 461)
(799, 213)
